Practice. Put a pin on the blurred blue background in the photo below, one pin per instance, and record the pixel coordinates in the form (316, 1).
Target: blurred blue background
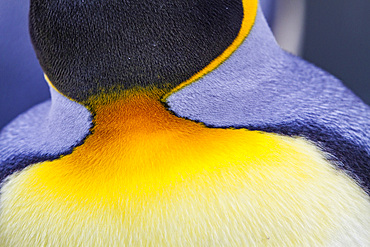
(336, 38)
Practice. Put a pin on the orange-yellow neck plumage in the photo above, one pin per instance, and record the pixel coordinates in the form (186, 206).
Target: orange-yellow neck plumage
(147, 177)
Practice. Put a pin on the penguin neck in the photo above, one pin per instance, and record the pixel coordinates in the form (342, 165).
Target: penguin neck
(260, 49)
(257, 51)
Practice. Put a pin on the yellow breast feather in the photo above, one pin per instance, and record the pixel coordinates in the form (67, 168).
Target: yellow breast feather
(145, 177)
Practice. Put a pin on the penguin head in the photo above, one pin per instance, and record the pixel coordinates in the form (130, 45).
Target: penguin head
(88, 47)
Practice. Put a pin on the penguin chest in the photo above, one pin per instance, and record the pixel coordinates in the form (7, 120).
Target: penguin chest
(146, 177)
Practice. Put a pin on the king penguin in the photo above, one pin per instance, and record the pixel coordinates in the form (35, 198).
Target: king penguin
(181, 123)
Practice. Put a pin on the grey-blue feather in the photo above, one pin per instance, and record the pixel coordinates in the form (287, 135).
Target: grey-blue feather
(44, 132)
(261, 87)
